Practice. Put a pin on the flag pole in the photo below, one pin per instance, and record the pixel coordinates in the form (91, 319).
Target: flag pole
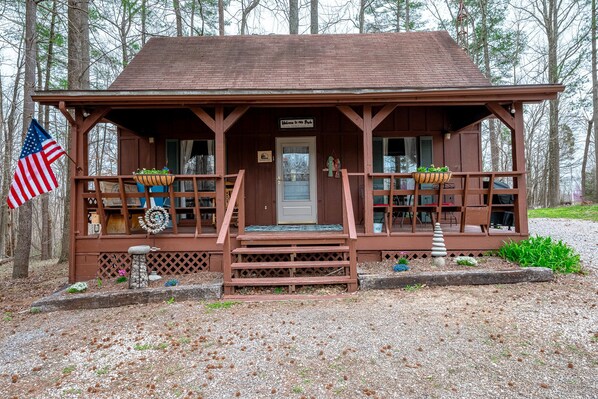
(73, 161)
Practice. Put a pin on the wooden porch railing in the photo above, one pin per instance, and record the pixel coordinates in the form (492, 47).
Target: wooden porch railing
(349, 223)
(236, 200)
(108, 196)
(471, 198)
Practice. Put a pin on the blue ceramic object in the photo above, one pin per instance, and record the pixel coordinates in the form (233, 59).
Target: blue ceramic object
(400, 268)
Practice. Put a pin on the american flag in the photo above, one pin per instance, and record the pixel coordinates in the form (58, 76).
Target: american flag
(34, 176)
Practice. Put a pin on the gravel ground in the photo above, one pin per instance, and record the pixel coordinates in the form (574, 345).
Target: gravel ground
(505, 341)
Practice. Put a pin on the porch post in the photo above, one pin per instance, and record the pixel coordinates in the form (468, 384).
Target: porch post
(518, 149)
(220, 164)
(368, 170)
(74, 150)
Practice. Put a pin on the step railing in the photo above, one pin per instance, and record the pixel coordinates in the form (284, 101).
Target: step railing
(349, 228)
(236, 200)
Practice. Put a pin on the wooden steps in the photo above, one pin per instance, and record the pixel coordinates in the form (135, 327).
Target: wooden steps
(280, 281)
(289, 265)
(291, 259)
(285, 297)
(287, 250)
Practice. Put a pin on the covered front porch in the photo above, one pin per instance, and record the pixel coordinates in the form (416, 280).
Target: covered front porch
(382, 211)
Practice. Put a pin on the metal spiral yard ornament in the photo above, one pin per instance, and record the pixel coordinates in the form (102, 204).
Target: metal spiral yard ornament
(155, 220)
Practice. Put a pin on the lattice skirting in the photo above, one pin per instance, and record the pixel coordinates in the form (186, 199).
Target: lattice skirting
(165, 263)
(426, 254)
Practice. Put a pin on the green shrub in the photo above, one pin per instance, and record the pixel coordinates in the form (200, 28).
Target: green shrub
(403, 261)
(542, 252)
(466, 261)
(77, 287)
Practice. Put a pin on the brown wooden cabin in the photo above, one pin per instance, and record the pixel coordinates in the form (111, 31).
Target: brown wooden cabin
(248, 125)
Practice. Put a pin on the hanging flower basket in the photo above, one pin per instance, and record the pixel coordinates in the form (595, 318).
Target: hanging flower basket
(431, 177)
(154, 180)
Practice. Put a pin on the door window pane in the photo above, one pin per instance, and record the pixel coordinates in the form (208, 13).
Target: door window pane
(295, 173)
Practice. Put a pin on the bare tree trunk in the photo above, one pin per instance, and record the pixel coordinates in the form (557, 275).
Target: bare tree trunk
(584, 161)
(221, 17)
(554, 168)
(202, 16)
(407, 21)
(595, 95)
(46, 235)
(4, 178)
(7, 219)
(78, 78)
(23, 250)
(314, 17)
(143, 21)
(179, 19)
(492, 125)
(398, 17)
(293, 17)
(245, 15)
(362, 5)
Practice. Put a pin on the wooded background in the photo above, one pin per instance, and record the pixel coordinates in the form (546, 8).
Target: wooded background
(85, 44)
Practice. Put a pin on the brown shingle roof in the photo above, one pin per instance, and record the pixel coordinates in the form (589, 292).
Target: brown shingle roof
(301, 62)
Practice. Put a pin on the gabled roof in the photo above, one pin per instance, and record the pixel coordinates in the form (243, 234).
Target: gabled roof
(414, 60)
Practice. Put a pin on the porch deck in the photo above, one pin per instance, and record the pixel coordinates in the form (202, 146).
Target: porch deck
(193, 242)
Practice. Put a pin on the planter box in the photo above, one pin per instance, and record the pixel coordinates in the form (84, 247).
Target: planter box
(431, 177)
(154, 180)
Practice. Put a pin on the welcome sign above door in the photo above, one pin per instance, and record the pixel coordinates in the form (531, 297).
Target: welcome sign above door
(296, 123)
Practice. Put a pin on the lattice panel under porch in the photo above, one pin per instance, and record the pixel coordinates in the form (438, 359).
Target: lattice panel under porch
(426, 254)
(164, 263)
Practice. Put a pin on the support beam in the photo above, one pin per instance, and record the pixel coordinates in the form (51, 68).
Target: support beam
(352, 115)
(368, 169)
(66, 113)
(93, 119)
(220, 125)
(205, 117)
(502, 114)
(234, 116)
(367, 124)
(220, 164)
(518, 150)
(382, 114)
(229, 121)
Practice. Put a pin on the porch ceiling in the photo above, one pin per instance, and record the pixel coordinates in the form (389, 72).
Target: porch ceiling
(181, 98)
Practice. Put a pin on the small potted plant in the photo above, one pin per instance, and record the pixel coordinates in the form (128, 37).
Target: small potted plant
(432, 174)
(153, 177)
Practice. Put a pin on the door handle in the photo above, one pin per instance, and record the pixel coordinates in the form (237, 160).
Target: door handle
(278, 179)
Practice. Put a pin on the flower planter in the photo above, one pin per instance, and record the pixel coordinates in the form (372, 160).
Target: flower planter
(154, 180)
(431, 177)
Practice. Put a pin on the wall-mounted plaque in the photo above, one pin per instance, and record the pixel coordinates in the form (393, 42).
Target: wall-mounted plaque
(264, 156)
(296, 123)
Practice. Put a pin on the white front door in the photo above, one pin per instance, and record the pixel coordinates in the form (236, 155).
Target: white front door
(296, 180)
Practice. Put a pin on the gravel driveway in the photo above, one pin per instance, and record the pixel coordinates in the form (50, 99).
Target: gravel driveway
(508, 341)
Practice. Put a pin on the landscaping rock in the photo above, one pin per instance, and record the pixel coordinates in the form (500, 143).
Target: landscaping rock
(124, 298)
(462, 277)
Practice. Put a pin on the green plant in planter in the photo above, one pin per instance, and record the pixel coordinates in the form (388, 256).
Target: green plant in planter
(144, 171)
(433, 169)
